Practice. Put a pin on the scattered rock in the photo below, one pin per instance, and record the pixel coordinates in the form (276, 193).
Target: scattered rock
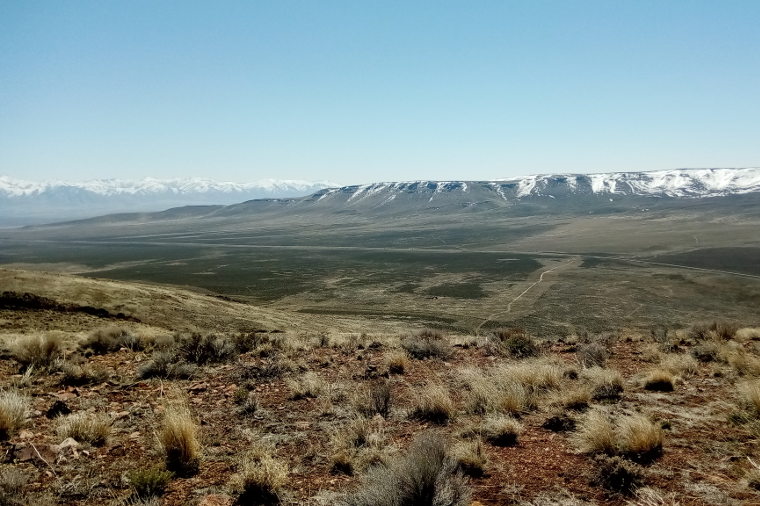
(59, 408)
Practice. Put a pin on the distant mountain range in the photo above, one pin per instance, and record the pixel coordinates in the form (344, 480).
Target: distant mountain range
(26, 203)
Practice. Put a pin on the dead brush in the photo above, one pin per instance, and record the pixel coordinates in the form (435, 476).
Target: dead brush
(375, 400)
(260, 479)
(85, 427)
(680, 364)
(14, 408)
(39, 351)
(435, 405)
(178, 437)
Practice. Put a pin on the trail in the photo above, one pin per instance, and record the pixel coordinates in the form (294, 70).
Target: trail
(509, 306)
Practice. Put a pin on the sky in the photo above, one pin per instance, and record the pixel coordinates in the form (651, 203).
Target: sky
(358, 91)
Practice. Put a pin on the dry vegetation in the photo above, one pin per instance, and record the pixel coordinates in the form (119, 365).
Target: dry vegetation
(133, 414)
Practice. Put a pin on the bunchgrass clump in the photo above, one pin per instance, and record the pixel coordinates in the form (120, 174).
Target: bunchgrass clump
(12, 482)
(14, 408)
(260, 479)
(635, 436)
(641, 438)
(605, 384)
(660, 380)
(501, 430)
(750, 396)
(397, 362)
(435, 405)
(592, 355)
(470, 458)
(308, 386)
(178, 436)
(596, 433)
(85, 427)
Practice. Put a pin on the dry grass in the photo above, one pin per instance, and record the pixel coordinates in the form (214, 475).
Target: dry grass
(641, 439)
(749, 392)
(489, 394)
(435, 405)
(110, 339)
(397, 362)
(14, 408)
(604, 383)
(576, 398)
(596, 434)
(660, 380)
(178, 436)
(680, 364)
(635, 436)
(308, 386)
(39, 351)
(501, 430)
(535, 374)
(260, 479)
(470, 458)
(85, 428)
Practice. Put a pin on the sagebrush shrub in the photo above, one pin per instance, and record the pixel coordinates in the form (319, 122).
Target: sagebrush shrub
(110, 339)
(39, 351)
(425, 476)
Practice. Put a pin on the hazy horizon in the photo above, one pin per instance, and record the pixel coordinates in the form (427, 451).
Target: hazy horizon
(357, 93)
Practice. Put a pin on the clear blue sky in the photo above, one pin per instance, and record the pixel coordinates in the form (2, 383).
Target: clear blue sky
(359, 91)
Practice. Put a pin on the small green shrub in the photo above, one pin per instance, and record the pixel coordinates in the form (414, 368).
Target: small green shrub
(149, 482)
(427, 344)
(516, 343)
(617, 475)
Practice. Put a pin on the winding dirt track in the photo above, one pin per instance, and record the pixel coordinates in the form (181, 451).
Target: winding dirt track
(509, 306)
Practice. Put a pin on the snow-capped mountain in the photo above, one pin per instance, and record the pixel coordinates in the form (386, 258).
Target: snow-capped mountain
(694, 183)
(27, 202)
